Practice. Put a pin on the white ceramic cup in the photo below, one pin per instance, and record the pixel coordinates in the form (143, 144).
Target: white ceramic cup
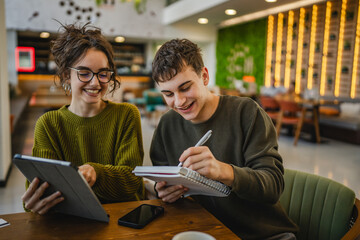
(193, 235)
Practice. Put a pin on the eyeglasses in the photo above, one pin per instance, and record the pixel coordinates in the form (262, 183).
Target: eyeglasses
(86, 75)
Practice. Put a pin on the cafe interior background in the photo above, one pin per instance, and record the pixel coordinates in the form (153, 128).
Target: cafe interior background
(258, 48)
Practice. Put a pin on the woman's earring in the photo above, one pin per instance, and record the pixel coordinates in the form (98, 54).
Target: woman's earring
(67, 88)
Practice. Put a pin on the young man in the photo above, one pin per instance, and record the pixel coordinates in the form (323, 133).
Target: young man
(242, 151)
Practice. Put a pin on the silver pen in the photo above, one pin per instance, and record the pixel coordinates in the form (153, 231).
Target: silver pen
(200, 142)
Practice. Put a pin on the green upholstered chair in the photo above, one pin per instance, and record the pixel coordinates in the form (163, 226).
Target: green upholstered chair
(322, 208)
(153, 97)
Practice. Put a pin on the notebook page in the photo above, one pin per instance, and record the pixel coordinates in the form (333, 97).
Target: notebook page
(197, 184)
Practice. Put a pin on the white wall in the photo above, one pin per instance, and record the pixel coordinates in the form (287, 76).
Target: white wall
(119, 19)
(209, 57)
(11, 45)
(194, 32)
(116, 19)
(5, 140)
(185, 8)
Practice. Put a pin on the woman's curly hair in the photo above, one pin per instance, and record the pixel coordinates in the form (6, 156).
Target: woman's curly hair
(72, 44)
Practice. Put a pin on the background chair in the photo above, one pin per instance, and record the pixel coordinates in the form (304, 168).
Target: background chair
(271, 106)
(155, 105)
(292, 114)
(153, 98)
(322, 208)
(289, 114)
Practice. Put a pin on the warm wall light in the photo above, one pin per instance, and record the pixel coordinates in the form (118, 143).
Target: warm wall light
(269, 42)
(356, 56)
(288, 49)
(203, 20)
(325, 48)
(230, 12)
(278, 48)
(299, 51)
(44, 34)
(340, 49)
(270, 1)
(312, 47)
(119, 39)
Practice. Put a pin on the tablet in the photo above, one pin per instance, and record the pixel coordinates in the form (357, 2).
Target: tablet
(79, 199)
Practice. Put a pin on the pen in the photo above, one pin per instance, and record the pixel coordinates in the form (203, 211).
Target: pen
(200, 142)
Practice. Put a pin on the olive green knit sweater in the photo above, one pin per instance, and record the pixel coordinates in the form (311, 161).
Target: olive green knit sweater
(111, 142)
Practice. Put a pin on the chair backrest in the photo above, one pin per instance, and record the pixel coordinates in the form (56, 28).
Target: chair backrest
(153, 97)
(289, 106)
(269, 103)
(321, 207)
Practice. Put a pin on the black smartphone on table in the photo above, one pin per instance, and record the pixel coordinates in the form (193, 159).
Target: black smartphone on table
(141, 216)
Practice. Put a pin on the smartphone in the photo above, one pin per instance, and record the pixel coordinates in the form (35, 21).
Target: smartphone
(141, 216)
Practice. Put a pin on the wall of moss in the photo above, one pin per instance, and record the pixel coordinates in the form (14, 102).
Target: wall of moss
(240, 51)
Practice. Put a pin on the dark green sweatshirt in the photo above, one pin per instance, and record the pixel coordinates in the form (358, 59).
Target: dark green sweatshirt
(243, 136)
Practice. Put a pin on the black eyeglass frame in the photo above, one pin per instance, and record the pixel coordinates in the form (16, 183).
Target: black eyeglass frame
(93, 74)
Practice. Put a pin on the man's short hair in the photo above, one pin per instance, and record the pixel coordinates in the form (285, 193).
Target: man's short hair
(173, 56)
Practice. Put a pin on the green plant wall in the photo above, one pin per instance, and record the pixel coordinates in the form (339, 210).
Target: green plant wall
(240, 51)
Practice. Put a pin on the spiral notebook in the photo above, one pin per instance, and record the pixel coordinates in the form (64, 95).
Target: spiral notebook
(173, 175)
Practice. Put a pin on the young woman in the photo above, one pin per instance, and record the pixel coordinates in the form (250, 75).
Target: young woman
(102, 138)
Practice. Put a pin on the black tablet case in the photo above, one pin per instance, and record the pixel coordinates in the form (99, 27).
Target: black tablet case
(79, 200)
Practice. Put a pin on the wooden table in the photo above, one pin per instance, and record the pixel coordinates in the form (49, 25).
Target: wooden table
(49, 101)
(46, 90)
(184, 215)
(49, 97)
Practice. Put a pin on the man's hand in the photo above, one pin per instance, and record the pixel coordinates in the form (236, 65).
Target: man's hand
(89, 174)
(32, 201)
(171, 193)
(202, 160)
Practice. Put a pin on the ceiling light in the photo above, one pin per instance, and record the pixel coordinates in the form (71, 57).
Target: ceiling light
(119, 39)
(44, 35)
(270, 0)
(230, 12)
(203, 20)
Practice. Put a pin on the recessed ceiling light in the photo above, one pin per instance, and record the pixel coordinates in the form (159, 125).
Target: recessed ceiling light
(270, 0)
(44, 35)
(203, 20)
(119, 39)
(230, 12)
